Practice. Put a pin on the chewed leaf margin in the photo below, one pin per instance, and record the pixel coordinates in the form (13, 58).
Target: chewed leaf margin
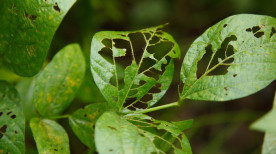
(133, 69)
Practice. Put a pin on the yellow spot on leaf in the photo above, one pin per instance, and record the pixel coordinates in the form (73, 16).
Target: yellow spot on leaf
(43, 33)
(50, 18)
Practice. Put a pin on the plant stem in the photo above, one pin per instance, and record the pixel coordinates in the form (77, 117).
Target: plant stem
(159, 107)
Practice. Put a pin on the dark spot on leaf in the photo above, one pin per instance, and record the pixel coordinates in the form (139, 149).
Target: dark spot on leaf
(110, 150)
(56, 7)
(234, 75)
(32, 17)
(146, 64)
(141, 134)
(85, 115)
(15, 132)
(13, 116)
(225, 25)
(56, 149)
(130, 101)
(226, 94)
(113, 128)
(259, 34)
(3, 96)
(146, 98)
(225, 88)
(248, 30)
(166, 124)
(273, 31)
(255, 29)
(140, 105)
(142, 82)
(3, 129)
(158, 85)
(154, 90)
(1, 113)
(9, 113)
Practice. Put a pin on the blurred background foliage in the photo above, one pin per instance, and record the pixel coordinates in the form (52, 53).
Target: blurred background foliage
(219, 128)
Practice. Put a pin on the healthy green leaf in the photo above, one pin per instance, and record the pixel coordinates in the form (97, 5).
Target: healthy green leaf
(83, 122)
(234, 58)
(49, 136)
(57, 84)
(114, 134)
(269, 145)
(267, 122)
(12, 120)
(133, 69)
(26, 30)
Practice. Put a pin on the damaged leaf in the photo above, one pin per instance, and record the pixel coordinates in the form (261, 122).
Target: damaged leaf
(56, 86)
(234, 58)
(83, 122)
(26, 30)
(12, 120)
(49, 136)
(133, 69)
(116, 134)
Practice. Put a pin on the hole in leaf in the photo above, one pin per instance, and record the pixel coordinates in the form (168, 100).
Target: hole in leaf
(138, 44)
(1, 113)
(273, 31)
(161, 49)
(225, 25)
(9, 113)
(130, 101)
(154, 90)
(56, 7)
(85, 115)
(248, 30)
(140, 105)
(154, 40)
(107, 43)
(203, 63)
(146, 98)
(234, 75)
(147, 35)
(13, 116)
(255, 29)
(146, 64)
(127, 59)
(259, 34)
(3, 129)
(15, 132)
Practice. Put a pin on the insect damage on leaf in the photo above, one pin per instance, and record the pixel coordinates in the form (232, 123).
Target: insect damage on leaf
(133, 69)
(225, 62)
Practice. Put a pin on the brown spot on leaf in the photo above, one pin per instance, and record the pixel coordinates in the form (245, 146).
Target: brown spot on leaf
(56, 7)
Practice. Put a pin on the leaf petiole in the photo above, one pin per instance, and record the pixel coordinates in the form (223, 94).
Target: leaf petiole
(159, 107)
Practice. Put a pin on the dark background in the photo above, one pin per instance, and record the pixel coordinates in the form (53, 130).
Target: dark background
(219, 127)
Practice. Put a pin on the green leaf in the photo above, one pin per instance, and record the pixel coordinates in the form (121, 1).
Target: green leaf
(26, 30)
(114, 134)
(12, 120)
(267, 122)
(49, 136)
(83, 122)
(234, 58)
(133, 69)
(56, 86)
(269, 145)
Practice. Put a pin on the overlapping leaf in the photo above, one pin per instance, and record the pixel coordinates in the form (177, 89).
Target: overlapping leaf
(49, 136)
(26, 30)
(83, 122)
(57, 84)
(133, 69)
(115, 134)
(12, 120)
(234, 58)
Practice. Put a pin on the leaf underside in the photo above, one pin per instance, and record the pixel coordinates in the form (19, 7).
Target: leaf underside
(12, 121)
(49, 136)
(56, 86)
(234, 58)
(26, 30)
(115, 134)
(133, 69)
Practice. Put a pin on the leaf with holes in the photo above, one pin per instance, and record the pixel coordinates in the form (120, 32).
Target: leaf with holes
(57, 84)
(133, 69)
(117, 134)
(26, 30)
(83, 121)
(12, 120)
(49, 136)
(234, 58)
